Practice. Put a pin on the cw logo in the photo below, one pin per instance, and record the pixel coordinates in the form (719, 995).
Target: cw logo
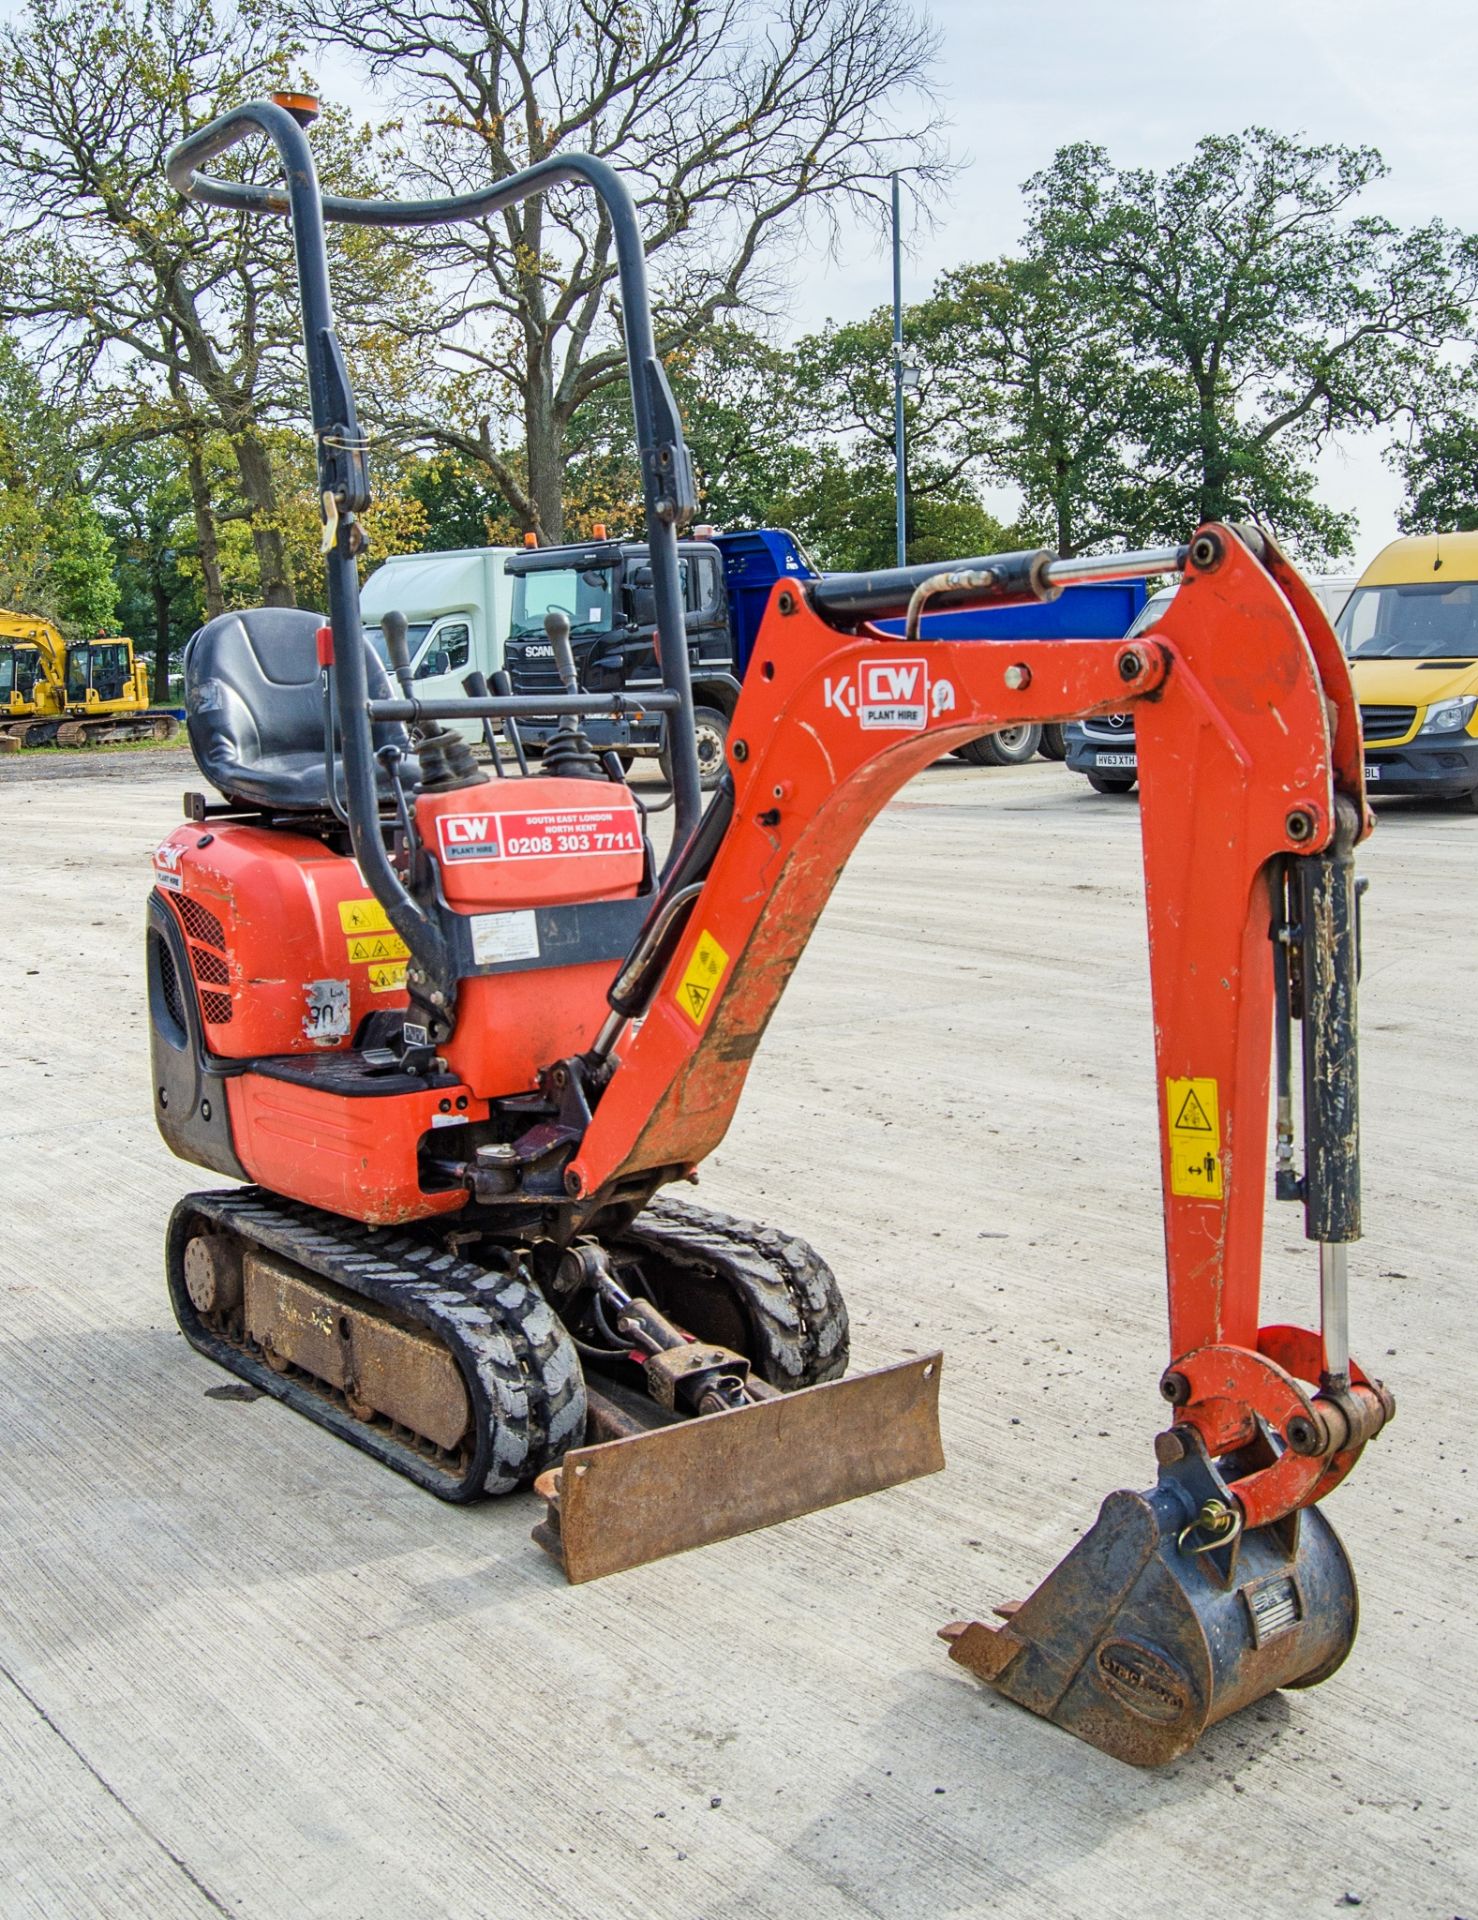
(466, 829)
(883, 693)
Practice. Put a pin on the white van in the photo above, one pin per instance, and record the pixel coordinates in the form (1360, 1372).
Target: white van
(457, 607)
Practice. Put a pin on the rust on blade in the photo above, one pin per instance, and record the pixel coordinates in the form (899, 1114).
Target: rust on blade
(633, 1500)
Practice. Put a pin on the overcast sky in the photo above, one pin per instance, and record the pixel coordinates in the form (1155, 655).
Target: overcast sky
(1145, 79)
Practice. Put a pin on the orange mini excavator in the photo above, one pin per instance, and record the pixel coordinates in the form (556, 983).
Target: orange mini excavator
(456, 1030)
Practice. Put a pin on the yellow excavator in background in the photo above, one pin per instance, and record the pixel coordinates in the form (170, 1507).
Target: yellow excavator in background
(91, 693)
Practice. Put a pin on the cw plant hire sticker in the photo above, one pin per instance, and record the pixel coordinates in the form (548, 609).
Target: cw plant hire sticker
(700, 981)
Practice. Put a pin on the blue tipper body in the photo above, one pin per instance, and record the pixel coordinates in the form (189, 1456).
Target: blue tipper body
(754, 560)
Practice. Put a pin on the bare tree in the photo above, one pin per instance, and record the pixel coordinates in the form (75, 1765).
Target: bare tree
(732, 120)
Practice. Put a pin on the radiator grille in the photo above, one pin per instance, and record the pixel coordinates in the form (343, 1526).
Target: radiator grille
(217, 1008)
(200, 922)
(1386, 723)
(210, 967)
(169, 984)
(1115, 727)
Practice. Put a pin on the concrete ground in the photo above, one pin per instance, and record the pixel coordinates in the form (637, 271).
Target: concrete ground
(247, 1671)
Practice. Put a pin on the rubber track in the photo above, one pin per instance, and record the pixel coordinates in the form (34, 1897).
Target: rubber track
(788, 1291)
(520, 1368)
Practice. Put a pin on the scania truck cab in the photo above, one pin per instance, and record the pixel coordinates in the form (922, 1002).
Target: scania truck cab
(1411, 632)
(605, 587)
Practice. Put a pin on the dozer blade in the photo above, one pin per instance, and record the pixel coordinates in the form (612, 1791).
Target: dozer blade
(1146, 1634)
(636, 1499)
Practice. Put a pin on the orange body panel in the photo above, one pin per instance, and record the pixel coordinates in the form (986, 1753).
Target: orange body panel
(351, 1156)
(265, 913)
(505, 847)
(509, 1025)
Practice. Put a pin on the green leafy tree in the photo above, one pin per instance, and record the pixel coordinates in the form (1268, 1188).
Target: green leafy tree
(1438, 462)
(1043, 398)
(148, 515)
(1270, 313)
(462, 507)
(55, 556)
(841, 410)
(84, 590)
(144, 301)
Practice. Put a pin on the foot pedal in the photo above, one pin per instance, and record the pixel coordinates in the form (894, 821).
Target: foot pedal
(1164, 1620)
(687, 1485)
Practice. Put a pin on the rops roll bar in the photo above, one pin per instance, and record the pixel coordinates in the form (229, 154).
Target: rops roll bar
(668, 490)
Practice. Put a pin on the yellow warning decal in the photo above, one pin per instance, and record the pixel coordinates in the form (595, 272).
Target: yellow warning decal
(701, 981)
(1192, 1111)
(363, 916)
(377, 946)
(387, 979)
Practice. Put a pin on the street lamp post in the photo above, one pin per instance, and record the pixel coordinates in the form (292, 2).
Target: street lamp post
(899, 484)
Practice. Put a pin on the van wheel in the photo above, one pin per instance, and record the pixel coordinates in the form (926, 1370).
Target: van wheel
(1011, 747)
(711, 737)
(1054, 742)
(1112, 783)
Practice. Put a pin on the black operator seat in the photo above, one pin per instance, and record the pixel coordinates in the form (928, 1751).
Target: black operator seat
(254, 708)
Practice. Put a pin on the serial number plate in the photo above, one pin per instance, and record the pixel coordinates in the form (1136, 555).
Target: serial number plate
(1372, 773)
(1118, 760)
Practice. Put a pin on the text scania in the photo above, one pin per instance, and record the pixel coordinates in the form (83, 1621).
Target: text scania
(529, 835)
(883, 693)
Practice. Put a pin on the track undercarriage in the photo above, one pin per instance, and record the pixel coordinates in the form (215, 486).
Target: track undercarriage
(440, 1353)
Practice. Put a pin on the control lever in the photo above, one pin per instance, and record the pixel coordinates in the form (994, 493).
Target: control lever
(557, 626)
(503, 687)
(475, 684)
(568, 754)
(392, 625)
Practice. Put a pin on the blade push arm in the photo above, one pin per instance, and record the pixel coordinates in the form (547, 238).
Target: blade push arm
(1238, 763)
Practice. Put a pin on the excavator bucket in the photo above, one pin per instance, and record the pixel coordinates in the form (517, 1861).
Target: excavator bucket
(654, 1491)
(1150, 1630)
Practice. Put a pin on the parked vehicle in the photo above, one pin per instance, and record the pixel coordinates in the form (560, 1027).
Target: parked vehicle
(1100, 610)
(1102, 749)
(1411, 632)
(457, 607)
(91, 693)
(605, 588)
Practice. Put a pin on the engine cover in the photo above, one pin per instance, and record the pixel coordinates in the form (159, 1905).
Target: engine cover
(504, 849)
(289, 950)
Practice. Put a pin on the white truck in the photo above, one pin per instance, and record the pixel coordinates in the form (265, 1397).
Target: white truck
(457, 607)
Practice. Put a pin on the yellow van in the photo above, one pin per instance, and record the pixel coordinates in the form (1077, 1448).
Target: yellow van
(1410, 629)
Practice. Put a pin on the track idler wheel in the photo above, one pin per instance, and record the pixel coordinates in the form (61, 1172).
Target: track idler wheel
(1166, 1618)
